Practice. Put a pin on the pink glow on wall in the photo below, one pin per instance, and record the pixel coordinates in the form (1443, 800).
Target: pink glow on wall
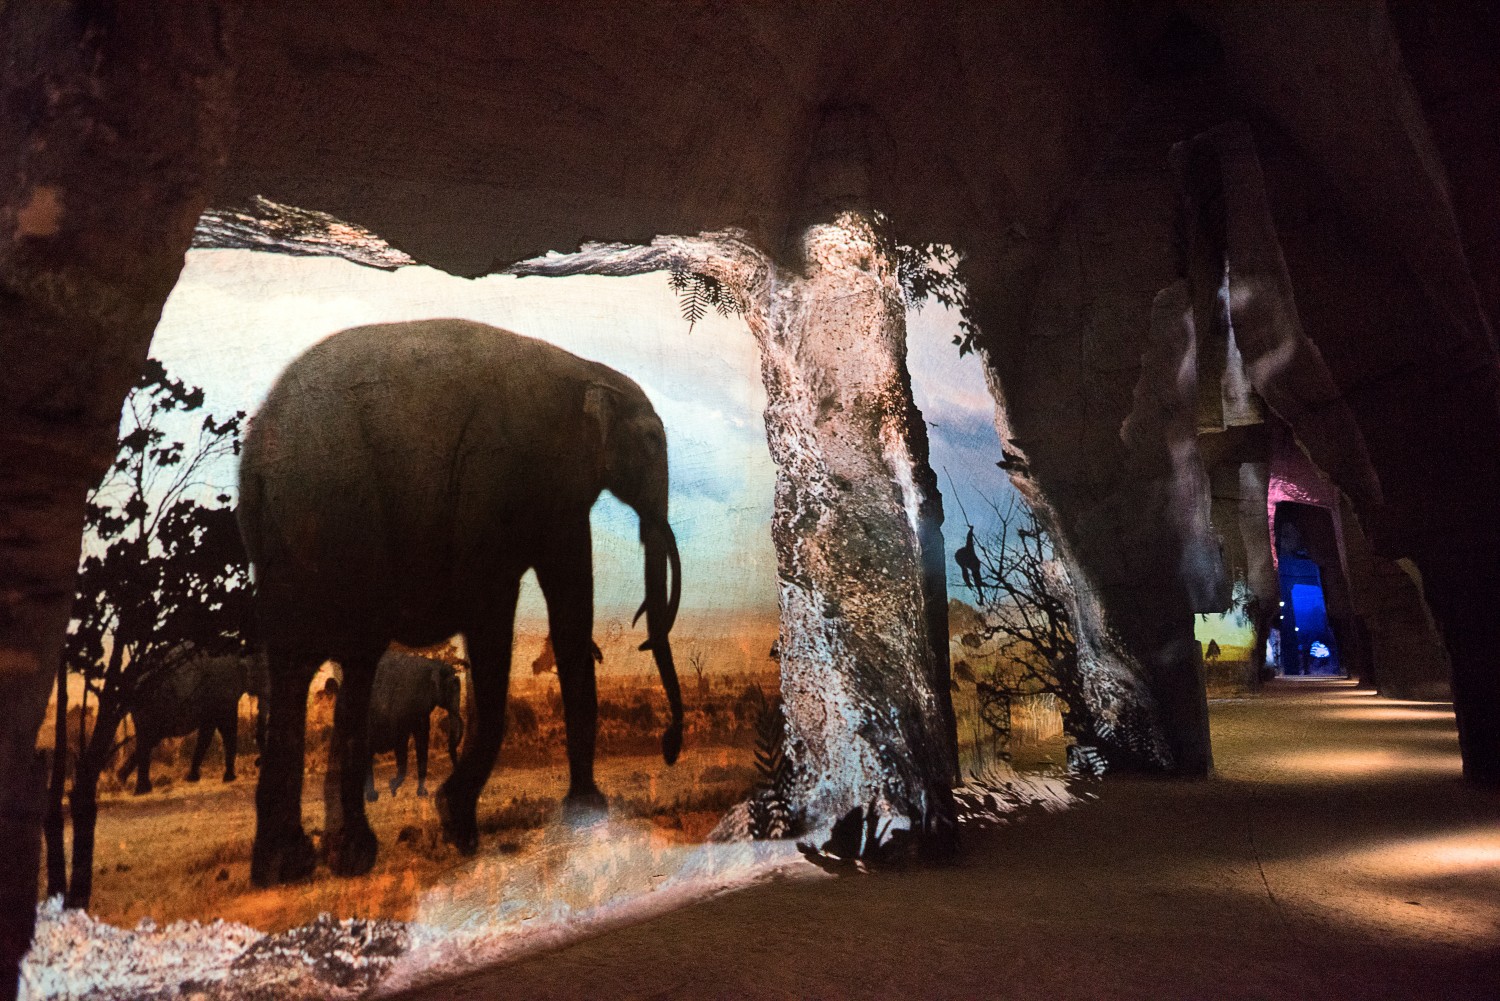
(1293, 477)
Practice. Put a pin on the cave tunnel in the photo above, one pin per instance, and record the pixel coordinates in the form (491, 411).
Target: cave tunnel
(1226, 275)
(1308, 641)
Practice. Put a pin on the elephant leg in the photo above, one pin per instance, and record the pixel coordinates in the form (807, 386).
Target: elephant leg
(422, 734)
(402, 744)
(354, 845)
(229, 735)
(125, 769)
(262, 714)
(144, 745)
(282, 851)
(489, 654)
(567, 581)
(205, 737)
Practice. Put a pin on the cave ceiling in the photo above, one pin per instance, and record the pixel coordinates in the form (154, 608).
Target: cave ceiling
(478, 135)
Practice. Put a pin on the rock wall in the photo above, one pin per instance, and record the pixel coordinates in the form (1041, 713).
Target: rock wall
(867, 704)
(1407, 657)
(111, 133)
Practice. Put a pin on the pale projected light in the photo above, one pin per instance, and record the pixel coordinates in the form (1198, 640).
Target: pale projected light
(1334, 766)
(1370, 693)
(1441, 888)
(1393, 714)
(1319, 649)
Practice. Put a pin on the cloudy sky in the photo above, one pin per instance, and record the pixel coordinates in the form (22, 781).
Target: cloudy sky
(236, 318)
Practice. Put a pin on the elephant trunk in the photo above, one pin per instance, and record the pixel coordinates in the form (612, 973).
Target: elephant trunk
(660, 607)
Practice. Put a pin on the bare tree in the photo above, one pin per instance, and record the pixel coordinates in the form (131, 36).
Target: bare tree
(698, 661)
(1026, 623)
(163, 577)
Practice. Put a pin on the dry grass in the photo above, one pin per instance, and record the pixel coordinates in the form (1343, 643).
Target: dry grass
(184, 850)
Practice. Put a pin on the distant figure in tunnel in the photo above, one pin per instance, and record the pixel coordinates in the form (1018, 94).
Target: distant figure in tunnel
(967, 559)
(1213, 651)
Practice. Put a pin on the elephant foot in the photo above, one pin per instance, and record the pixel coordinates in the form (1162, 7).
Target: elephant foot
(371, 795)
(421, 789)
(142, 788)
(354, 851)
(585, 809)
(287, 860)
(394, 785)
(191, 777)
(460, 828)
(229, 776)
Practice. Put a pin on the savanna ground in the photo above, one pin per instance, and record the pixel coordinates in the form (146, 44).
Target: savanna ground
(183, 851)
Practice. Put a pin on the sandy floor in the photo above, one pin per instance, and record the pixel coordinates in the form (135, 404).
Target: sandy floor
(1335, 854)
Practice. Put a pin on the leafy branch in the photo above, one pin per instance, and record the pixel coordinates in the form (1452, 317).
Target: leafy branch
(697, 293)
(771, 814)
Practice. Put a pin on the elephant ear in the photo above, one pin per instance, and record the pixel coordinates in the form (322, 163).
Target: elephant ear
(599, 405)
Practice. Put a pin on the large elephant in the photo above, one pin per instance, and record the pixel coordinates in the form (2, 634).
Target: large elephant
(197, 694)
(396, 485)
(408, 687)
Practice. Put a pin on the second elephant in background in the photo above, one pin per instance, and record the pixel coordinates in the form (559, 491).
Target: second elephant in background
(407, 688)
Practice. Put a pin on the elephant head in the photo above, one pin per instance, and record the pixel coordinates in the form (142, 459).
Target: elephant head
(634, 466)
(449, 696)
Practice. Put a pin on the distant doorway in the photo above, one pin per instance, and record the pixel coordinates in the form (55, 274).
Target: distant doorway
(1304, 643)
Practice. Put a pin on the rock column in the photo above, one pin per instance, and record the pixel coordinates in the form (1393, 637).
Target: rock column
(113, 124)
(865, 689)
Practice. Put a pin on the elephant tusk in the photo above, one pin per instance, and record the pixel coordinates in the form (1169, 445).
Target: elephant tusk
(674, 599)
(676, 564)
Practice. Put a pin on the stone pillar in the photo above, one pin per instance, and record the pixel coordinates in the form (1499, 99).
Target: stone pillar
(1461, 575)
(113, 124)
(1100, 411)
(857, 520)
(865, 688)
(1408, 658)
(1239, 474)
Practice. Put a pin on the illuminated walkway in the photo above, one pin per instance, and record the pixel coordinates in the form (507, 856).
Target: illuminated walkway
(1335, 855)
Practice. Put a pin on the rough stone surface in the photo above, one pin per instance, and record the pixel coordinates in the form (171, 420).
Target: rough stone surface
(1100, 393)
(112, 129)
(864, 717)
(1408, 659)
(76, 958)
(856, 517)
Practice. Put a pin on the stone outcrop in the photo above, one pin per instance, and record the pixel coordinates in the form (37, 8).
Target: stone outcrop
(856, 522)
(1405, 648)
(112, 130)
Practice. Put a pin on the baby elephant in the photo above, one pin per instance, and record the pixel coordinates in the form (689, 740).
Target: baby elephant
(407, 689)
